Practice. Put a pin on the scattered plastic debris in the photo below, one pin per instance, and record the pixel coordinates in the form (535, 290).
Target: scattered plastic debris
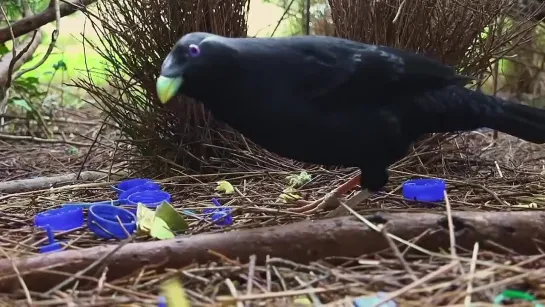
(515, 295)
(225, 187)
(148, 186)
(221, 215)
(426, 189)
(174, 293)
(52, 245)
(369, 301)
(104, 222)
(61, 219)
(151, 199)
(130, 183)
(84, 205)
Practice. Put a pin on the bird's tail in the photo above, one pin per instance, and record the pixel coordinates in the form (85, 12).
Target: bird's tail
(460, 109)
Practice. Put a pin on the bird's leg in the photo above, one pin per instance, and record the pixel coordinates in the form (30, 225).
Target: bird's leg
(331, 199)
(355, 200)
(375, 179)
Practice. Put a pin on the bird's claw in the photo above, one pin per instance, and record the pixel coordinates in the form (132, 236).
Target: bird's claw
(330, 200)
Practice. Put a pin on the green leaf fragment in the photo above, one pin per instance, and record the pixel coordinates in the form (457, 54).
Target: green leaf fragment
(160, 224)
(298, 180)
(23, 104)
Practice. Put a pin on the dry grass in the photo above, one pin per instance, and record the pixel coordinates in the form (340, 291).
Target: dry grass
(449, 31)
(135, 36)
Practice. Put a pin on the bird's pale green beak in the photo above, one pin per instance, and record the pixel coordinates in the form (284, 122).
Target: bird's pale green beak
(167, 87)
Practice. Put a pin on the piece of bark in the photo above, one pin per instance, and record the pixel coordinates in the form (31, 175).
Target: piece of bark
(41, 183)
(301, 242)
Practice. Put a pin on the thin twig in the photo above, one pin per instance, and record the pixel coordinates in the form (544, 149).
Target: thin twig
(54, 37)
(90, 267)
(467, 300)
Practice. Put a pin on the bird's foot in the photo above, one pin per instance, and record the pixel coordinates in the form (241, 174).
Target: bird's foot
(355, 200)
(330, 200)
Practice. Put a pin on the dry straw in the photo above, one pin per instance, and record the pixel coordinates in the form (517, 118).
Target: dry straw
(135, 38)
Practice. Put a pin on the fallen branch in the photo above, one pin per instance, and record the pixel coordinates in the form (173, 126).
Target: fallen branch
(41, 140)
(29, 24)
(41, 183)
(301, 242)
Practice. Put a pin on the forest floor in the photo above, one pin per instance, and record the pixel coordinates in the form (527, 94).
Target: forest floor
(508, 176)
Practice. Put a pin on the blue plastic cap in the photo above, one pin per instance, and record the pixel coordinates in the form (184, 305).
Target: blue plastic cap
(150, 199)
(220, 216)
(131, 183)
(52, 245)
(106, 217)
(61, 219)
(162, 301)
(87, 205)
(148, 186)
(430, 190)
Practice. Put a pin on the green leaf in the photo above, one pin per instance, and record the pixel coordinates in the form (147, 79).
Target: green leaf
(298, 180)
(23, 104)
(174, 220)
(302, 300)
(225, 187)
(60, 65)
(32, 80)
(72, 150)
(160, 224)
(29, 84)
(3, 49)
(289, 194)
(144, 218)
(174, 293)
(160, 230)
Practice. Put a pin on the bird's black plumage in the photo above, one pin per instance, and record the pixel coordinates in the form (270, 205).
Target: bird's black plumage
(332, 101)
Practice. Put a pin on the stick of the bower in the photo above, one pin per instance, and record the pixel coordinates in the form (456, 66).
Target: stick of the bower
(41, 183)
(301, 242)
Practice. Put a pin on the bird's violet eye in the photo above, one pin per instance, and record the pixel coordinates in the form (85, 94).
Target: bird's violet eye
(194, 50)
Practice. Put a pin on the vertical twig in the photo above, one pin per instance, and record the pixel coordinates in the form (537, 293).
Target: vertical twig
(467, 300)
(307, 26)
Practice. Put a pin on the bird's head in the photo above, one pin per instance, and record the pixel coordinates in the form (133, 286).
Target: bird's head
(196, 60)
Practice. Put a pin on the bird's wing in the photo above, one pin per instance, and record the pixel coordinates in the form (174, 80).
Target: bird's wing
(341, 70)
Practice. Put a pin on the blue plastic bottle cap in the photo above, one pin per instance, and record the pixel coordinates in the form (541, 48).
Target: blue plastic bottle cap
(106, 217)
(150, 199)
(87, 205)
(61, 219)
(430, 190)
(220, 215)
(52, 244)
(162, 302)
(148, 186)
(131, 183)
